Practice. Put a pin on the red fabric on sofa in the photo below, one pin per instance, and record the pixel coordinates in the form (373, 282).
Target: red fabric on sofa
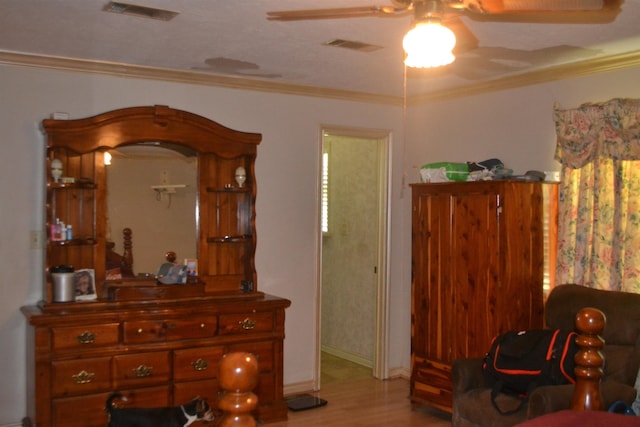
(583, 419)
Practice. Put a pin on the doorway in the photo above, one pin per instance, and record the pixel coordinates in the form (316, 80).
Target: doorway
(353, 283)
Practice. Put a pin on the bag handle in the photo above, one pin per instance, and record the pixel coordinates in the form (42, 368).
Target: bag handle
(497, 388)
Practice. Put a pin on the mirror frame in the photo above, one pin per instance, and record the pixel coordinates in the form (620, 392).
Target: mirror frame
(220, 151)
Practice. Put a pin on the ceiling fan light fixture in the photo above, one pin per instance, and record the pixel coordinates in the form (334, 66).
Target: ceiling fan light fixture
(429, 44)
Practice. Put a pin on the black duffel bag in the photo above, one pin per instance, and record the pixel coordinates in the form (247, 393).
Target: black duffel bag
(520, 361)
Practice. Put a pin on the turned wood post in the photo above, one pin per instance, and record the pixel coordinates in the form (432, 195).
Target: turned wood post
(238, 377)
(590, 323)
(126, 265)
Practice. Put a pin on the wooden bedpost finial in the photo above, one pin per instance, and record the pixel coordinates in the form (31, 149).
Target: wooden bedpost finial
(590, 323)
(238, 377)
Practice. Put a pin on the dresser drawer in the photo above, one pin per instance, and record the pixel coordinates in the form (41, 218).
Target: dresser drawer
(184, 392)
(81, 337)
(196, 363)
(146, 331)
(82, 376)
(245, 323)
(88, 411)
(135, 370)
(263, 351)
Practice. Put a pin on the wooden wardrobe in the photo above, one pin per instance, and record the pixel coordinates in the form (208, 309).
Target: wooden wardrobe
(478, 258)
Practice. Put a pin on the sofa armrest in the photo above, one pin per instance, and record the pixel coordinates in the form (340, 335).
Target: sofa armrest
(550, 398)
(467, 374)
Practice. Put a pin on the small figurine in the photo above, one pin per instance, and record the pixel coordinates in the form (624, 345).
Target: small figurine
(56, 170)
(241, 176)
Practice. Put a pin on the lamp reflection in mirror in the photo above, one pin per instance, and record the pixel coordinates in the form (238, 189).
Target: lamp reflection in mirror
(107, 158)
(429, 44)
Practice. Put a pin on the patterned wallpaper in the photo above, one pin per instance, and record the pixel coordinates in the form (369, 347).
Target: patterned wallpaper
(349, 254)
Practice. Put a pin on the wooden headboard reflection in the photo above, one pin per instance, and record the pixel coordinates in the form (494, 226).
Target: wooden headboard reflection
(120, 266)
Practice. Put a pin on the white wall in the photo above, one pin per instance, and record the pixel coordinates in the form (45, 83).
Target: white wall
(515, 126)
(512, 125)
(287, 173)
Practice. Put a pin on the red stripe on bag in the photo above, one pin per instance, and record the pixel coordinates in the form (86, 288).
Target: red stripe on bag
(513, 371)
(572, 336)
(552, 344)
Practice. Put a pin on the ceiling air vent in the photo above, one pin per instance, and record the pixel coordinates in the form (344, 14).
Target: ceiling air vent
(348, 44)
(140, 11)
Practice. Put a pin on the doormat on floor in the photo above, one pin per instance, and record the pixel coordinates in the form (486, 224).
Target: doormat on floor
(302, 402)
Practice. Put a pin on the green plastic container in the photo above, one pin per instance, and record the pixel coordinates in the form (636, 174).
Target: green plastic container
(453, 171)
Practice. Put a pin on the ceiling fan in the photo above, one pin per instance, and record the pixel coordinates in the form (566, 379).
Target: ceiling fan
(445, 14)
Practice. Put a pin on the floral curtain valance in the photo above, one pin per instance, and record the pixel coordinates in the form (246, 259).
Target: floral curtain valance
(608, 130)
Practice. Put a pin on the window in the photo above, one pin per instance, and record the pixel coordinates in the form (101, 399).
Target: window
(324, 217)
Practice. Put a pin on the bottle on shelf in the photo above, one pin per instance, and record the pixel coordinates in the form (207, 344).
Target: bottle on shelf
(56, 231)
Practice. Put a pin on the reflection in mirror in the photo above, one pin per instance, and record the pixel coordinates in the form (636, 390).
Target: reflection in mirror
(152, 189)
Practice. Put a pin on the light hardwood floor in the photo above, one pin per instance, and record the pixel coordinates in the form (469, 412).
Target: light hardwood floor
(356, 399)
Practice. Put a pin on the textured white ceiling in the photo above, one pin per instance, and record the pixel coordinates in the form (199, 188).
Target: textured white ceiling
(233, 37)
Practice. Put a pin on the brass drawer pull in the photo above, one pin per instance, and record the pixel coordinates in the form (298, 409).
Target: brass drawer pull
(247, 324)
(200, 365)
(86, 338)
(142, 371)
(83, 377)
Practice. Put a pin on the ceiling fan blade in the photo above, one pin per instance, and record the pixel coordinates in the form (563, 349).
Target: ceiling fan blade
(465, 39)
(335, 13)
(547, 11)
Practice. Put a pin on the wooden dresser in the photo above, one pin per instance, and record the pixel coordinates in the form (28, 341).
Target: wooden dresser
(161, 354)
(159, 344)
(477, 270)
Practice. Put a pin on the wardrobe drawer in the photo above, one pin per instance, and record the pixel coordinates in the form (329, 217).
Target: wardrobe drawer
(432, 383)
(82, 376)
(83, 337)
(145, 331)
(246, 323)
(135, 370)
(196, 363)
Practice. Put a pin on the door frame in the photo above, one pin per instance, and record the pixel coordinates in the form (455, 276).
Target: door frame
(381, 333)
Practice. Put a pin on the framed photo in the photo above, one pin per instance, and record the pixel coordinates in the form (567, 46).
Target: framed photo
(84, 282)
(192, 266)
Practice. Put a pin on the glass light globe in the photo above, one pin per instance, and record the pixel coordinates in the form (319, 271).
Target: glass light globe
(428, 45)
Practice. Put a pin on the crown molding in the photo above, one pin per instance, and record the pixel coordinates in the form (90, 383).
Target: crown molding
(188, 77)
(559, 72)
(576, 69)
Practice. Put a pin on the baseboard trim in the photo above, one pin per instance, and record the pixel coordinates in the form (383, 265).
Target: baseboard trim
(18, 424)
(399, 373)
(347, 356)
(295, 388)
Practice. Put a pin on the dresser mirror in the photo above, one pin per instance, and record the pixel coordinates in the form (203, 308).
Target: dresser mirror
(152, 189)
(220, 220)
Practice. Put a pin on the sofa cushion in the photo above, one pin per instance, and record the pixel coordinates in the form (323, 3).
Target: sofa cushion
(476, 405)
(621, 363)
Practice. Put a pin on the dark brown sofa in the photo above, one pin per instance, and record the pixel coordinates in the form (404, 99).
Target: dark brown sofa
(471, 397)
